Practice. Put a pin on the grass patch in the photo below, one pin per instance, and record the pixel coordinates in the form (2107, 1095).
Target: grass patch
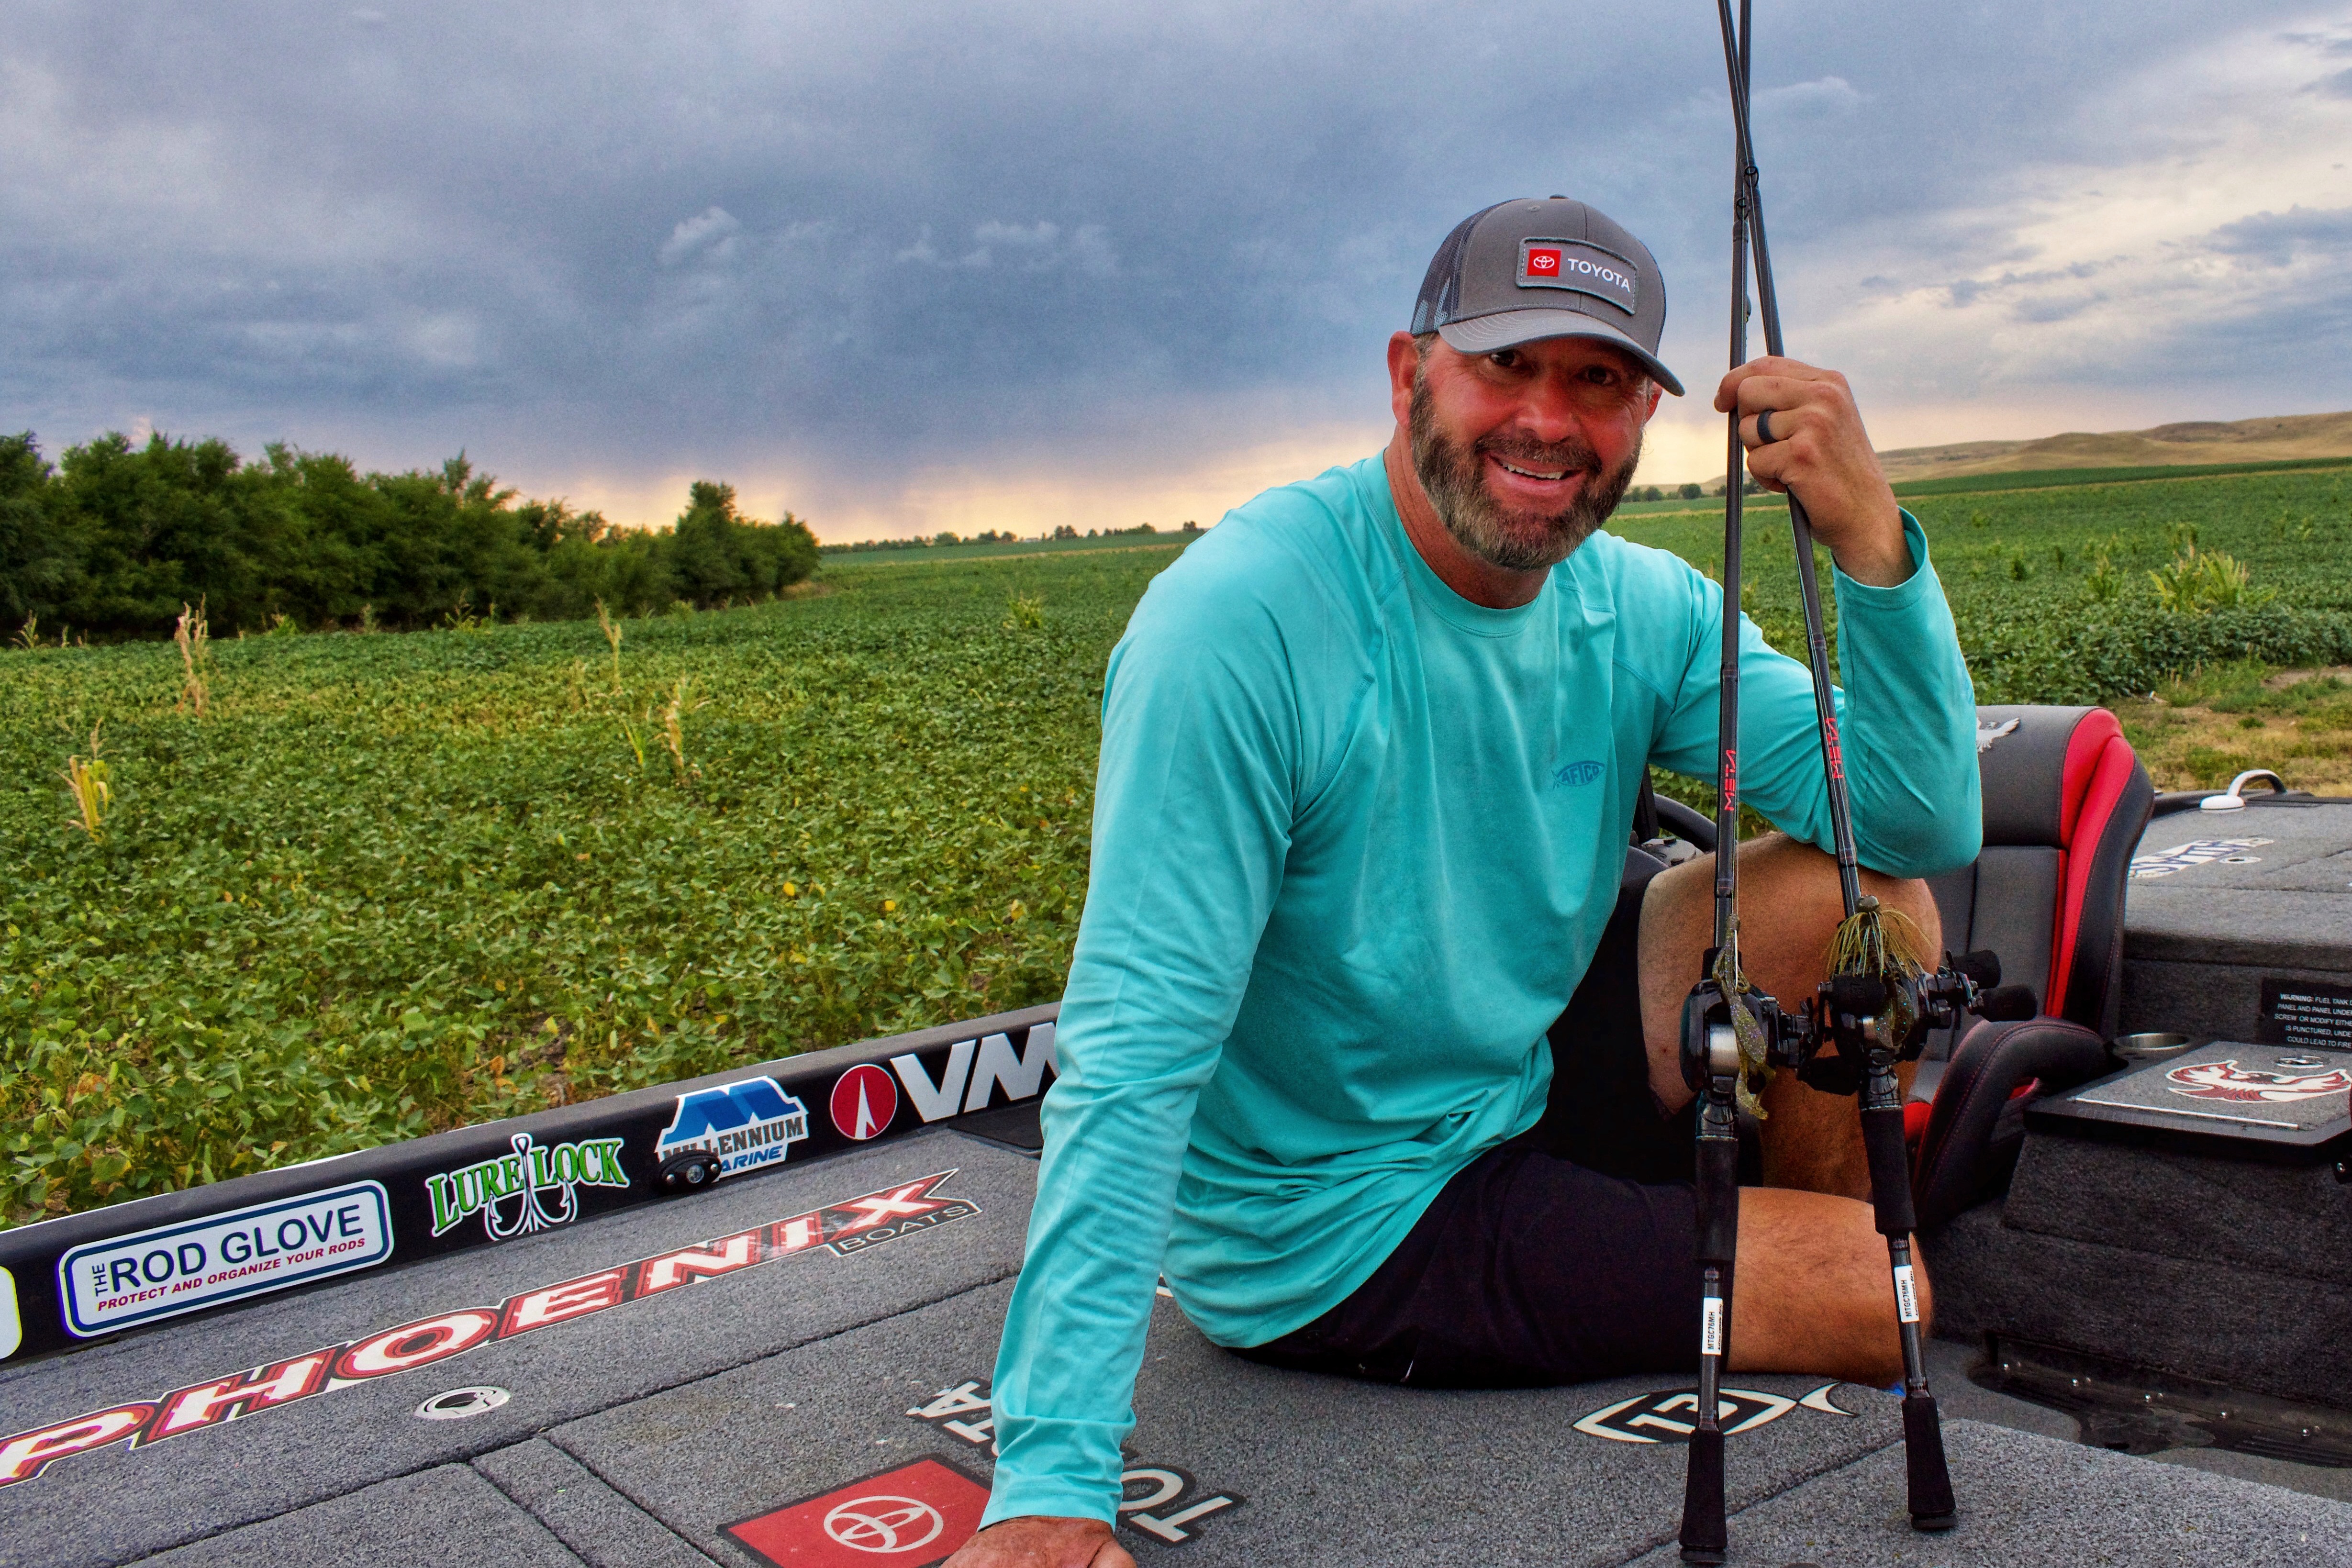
(2202, 731)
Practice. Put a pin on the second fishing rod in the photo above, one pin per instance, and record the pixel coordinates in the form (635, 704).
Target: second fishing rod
(1874, 1011)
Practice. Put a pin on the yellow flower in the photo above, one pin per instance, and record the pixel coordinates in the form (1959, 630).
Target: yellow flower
(791, 891)
(888, 905)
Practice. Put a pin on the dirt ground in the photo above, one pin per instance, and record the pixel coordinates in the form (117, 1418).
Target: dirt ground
(2200, 732)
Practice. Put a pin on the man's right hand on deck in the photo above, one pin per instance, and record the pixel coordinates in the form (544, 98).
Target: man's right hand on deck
(1034, 1540)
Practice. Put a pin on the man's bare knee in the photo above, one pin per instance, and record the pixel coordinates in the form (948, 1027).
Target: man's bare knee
(1812, 1293)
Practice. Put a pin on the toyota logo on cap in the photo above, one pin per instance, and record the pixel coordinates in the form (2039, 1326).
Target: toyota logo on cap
(1524, 270)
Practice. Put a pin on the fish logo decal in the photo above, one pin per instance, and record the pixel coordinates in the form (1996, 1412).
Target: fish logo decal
(2228, 1081)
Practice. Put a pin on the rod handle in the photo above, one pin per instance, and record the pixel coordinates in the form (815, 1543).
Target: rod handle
(1890, 1170)
(1719, 1201)
(1706, 1538)
(1923, 1462)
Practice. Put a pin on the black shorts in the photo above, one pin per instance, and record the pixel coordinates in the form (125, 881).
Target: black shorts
(1562, 1256)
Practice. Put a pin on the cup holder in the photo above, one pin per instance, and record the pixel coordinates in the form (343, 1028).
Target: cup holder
(2150, 1047)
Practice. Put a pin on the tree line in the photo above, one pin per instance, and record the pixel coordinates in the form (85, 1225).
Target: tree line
(990, 537)
(114, 538)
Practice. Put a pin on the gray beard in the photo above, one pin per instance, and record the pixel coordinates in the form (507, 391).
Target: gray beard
(1515, 541)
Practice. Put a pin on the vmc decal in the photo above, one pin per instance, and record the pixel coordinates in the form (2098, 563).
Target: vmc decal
(975, 1068)
(841, 1228)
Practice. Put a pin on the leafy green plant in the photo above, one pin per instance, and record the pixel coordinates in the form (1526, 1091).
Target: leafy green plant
(2102, 582)
(2195, 582)
(87, 779)
(1024, 612)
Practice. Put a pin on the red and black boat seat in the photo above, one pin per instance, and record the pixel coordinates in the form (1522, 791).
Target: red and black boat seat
(2065, 800)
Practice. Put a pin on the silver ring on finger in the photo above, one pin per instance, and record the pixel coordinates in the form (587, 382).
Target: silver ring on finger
(1764, 436)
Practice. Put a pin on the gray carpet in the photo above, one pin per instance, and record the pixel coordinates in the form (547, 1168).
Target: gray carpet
(635, 1435)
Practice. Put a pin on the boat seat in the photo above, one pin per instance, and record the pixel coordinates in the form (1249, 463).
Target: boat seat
(2064, 802)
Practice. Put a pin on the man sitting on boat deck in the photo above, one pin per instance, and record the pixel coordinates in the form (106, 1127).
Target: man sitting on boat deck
(1370, 1042)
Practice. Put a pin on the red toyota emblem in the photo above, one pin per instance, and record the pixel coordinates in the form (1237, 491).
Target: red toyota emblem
(1543, 263)
(911, 1517)
(864, 1101)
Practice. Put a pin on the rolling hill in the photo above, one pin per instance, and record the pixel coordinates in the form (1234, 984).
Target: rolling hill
(2197, 442)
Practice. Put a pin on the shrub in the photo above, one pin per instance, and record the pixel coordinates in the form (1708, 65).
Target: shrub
(2193, 583)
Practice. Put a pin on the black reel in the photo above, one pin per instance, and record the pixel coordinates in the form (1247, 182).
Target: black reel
(1849, 1010)
(1707, 1034)
(1846, 1013)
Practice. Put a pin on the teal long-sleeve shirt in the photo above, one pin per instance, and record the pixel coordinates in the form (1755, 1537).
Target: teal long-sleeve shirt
(1355, 841)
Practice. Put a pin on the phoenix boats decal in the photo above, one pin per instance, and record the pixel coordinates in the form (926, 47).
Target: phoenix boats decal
(1986, 734)
(746, 1125)
(524, 1175)
(1162, 1500)
(841, 1229)
(1671, 1414)
(174, 1269)
(2228, 1081)
(2195, 852)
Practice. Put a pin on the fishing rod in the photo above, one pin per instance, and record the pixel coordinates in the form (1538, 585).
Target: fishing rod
(1714, 1061)
(1875, 1007)
(1801, 522)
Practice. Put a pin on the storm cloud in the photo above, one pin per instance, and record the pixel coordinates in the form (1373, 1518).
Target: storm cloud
(869, 260)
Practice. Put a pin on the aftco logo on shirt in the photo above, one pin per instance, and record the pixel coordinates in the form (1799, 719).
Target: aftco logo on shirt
(1578, 774)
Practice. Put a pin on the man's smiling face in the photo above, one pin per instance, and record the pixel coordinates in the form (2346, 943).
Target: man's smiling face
(1525, 451)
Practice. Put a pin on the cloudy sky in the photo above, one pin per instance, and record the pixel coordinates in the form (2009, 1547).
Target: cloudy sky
(911, 266)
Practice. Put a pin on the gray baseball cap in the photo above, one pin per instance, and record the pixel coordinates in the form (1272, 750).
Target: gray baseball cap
(1527, 269)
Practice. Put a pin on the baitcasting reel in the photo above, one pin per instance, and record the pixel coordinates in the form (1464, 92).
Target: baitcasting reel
(1850, 1014)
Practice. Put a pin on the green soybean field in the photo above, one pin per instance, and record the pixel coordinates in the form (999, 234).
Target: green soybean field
(279, 897)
